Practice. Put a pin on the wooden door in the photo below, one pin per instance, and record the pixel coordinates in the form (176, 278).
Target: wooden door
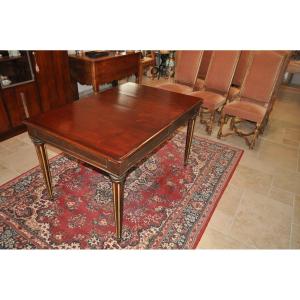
(4, 121)
(53, 78)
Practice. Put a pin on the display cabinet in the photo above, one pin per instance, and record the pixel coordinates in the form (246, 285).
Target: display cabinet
(32, 82)
(15, 68)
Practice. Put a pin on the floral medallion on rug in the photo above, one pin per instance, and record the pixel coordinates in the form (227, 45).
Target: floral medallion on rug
(166, 205)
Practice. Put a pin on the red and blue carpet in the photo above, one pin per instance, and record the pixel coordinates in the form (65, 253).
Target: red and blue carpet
(166, 205)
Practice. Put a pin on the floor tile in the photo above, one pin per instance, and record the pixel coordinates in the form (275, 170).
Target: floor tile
(4, 152)
(220, 221)
(279, 155)
(21, 159)
(296, 215)
(262, 222)
(52, 151)
(295, 238)
(252, 161)
(12, 143)
(287, 180)
(259, 181)
(24, 137)
(213, 239)
(282, 195)
(6, 174)
(230, 200)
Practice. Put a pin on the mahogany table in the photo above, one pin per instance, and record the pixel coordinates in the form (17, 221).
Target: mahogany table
(106, 69)
(114, 131)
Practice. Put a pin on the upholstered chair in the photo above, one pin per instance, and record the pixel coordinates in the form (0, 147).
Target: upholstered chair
(286, 56)
(186, 71)
(255, 95)
(239, 74)
(216, 84)
(203, 69)
(286, 59)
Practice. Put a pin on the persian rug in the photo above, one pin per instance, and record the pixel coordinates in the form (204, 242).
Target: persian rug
(166, 205)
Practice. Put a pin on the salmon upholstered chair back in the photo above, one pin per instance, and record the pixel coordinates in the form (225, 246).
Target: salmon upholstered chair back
(221, 70)
(187, 67)
(204, 63)
(287, 56)
(241, 68)
(262, 75)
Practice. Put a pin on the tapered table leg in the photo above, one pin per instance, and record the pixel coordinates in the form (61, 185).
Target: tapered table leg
(118, 194)
(189, 138)
(95, 86)
(44, 164)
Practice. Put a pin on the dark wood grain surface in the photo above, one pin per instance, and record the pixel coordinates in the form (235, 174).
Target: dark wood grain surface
(114, 129)
(53, 78)
(13, 101)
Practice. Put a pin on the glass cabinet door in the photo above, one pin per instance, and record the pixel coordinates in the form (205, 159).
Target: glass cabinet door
(15, 68)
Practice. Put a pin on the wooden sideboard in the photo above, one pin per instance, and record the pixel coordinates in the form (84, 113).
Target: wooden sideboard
(49, 87)
(106, 69)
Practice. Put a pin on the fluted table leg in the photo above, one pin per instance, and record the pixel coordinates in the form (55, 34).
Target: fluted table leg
(44, 164)
(189, 138)
(118, 194)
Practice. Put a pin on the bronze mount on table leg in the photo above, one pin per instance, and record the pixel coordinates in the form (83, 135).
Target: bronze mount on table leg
(189, 138)
(118, 195)
(44, 164)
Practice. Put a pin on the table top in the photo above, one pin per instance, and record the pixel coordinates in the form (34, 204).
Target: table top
(118, 121)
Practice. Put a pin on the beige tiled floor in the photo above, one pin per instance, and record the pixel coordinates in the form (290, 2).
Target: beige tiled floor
(261, 205)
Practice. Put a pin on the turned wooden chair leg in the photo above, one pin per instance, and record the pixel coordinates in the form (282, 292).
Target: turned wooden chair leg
(209, 124)
(221, 113)
(256, 133)
(226, 119)
(262, 128)
(264, 124)
(232, 121)
(201, 115)
(222, 122)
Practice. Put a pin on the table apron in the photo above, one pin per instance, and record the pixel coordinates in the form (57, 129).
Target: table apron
(76, 151)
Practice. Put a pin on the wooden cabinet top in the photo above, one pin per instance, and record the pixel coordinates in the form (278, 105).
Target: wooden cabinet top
(111, 55)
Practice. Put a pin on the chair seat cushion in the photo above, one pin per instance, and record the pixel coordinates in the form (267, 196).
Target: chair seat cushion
(233, 92)
(211, 101)
(176, 87)
(245, 110)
